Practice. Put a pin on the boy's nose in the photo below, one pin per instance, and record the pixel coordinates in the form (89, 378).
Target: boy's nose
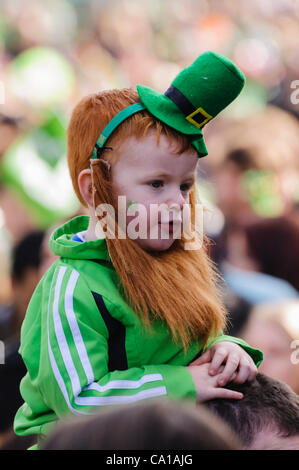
(176, 199)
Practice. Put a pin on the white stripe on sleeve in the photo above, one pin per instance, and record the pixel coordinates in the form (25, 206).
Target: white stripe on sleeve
(121, 399)
(55, 369)
(82, 353)
(126, 384)
(72, 320)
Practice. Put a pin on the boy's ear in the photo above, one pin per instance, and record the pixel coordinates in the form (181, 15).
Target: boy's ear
(85, 186)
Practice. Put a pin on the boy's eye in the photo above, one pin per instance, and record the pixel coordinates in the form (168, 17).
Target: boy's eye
(185, 187)
(156, 183)
(159, 183)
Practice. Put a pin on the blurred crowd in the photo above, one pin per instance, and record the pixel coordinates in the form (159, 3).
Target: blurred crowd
(54, 52)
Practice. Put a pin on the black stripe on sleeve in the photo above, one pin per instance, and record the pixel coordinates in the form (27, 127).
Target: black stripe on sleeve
(117, 358)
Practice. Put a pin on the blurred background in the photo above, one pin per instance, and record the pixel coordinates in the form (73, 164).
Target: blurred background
(54, 52)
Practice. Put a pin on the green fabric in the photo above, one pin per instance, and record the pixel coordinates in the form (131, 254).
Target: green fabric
(211, 82)
(64, 342)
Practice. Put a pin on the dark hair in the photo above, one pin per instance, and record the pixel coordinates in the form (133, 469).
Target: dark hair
(274, 244)
(155, 424)
(267, 402)
(26, 254)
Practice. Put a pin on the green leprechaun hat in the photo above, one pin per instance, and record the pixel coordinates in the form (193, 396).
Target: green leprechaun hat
(197, 94)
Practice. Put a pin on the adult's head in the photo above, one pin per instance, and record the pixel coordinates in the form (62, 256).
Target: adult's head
(274, 329)
(154, 424)
(267, 417)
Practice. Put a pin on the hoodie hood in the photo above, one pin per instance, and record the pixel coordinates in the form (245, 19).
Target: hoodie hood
(62, 245)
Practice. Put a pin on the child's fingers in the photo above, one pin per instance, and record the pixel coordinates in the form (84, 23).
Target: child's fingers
(226, 393)
(247, 371)
(244, 372)
(253, 371)
(230, 367)
(233, 376)
(206, 357)
(219, 357)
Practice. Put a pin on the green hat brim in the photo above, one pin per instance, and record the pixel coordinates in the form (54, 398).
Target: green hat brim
(166, 111)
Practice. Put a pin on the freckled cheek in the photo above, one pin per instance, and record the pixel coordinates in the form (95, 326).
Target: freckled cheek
(119, 190)
(142, 211)
(150, 213)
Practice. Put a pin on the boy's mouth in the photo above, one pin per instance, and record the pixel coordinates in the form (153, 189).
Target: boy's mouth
(172, 224)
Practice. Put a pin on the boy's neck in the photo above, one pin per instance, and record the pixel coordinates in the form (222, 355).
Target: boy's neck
(90, 233)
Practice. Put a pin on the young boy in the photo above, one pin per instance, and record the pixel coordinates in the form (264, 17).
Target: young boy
(119, 319)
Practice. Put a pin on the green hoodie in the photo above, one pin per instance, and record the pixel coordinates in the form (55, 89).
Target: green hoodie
(85, 349)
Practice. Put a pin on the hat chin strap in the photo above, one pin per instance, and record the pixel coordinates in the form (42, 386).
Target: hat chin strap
(111, 126)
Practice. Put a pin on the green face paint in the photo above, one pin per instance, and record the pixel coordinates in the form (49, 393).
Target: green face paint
(262, 193)
(133, 205)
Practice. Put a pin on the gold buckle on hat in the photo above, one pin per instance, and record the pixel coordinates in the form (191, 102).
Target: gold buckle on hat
(201, 112)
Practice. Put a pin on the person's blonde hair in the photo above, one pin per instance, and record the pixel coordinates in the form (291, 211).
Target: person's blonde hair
(177, 286)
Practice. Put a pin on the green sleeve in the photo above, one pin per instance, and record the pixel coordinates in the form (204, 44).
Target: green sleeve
(70, 371)
(255, 354)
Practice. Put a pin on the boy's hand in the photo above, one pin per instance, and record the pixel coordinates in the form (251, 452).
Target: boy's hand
(207, 387)
(239, 366)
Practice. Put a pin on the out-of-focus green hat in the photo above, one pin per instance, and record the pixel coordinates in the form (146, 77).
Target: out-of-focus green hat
(197, 94)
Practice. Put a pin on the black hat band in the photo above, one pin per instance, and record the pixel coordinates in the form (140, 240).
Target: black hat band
(197, 116)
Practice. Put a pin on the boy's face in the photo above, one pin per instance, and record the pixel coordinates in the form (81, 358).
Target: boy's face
(149, 175)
